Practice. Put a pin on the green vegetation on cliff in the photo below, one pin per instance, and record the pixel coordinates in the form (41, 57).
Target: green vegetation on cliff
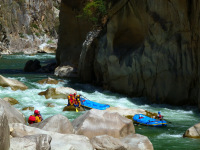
(94, 11)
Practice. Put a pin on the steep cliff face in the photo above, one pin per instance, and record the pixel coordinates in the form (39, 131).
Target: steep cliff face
(72, 33)
(26, 23)
(148, 48)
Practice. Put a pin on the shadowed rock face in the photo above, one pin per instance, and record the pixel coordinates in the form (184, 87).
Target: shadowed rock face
(148, 48)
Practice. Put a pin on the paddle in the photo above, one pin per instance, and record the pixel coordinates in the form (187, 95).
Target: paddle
(76, 109)
(168, 121)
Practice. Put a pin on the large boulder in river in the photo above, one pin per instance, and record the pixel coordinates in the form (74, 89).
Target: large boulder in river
(59, 141)
(14, 84)
(57, 93)
(32, 65)
(137, 142)
(13, 115)
(66, 71)
(126, 112)
(4, 130)
(193, 132)
(31, 142)
(130, 142)
(11, 100)
(57, 123)
(97, 122)
(48, 81)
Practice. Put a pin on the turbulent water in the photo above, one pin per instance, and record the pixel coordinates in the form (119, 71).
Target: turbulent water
(168, 138)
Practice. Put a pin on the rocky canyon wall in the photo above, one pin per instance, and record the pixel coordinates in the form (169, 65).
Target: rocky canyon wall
(147, 48)
(25, 24)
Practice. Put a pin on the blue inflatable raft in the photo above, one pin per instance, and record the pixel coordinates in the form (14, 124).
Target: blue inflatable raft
(90, 104)
(145, 120)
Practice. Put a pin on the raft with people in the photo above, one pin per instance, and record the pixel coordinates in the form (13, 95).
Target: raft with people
(80, 103)
(150, 119)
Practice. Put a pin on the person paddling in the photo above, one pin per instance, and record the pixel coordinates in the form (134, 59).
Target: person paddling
(159, 116)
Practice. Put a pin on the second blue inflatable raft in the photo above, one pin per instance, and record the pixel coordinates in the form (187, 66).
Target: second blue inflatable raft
(145, 120)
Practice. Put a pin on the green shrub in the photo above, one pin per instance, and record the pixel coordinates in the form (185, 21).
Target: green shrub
(94, 10)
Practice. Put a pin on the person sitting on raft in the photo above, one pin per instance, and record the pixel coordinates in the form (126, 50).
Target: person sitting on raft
(159, 116)
(70, 100)
(37, 117)
(77, 102)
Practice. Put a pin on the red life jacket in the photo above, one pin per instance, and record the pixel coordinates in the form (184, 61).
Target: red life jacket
(31, 119)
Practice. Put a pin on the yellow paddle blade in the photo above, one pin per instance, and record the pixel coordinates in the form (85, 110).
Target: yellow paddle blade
(76, 109)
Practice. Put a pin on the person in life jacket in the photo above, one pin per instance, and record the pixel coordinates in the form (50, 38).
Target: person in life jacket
(78, 101)
(31, 119)
(70, 99)
(159, 116)
(140, 117)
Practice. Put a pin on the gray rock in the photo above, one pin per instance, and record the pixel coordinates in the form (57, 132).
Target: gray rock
(137, 142)
(14, 84)
(193, 132)
(31, 142)
(59, 141)
(4, 130)
(13, 114)
(97, 122)
(57, 123)
(56, 93)
(66, 71)
(32, 65)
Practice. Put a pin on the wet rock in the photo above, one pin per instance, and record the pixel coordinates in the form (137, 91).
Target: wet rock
(32, 142)
(48, 81)
(50, 105)
(66, 71)
(13, 115)
(4, 130)
(59, 141)
(72, 108)
(137, 142)
(57, 123)
(57, 93)
(32, 65)
(126, 112)
(14, 84)
(106, 142)
(193, 132)
(47, 48)
(28, 108)
(97, 122)
(11, 100)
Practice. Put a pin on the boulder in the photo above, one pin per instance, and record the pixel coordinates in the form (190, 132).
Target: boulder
(193, 132)
(47, 48)
(31, 142)
(32, 65)
(66, 71)
(48, 81)
(14, 84)
(57, 123)
(13, 114)
(59, 141)
(11, 100)
(137, 142)
(126, 112)
(72, 108)
(28, 108)
(106, 142)
(50, 105)
(97, 122)
(57, 93)
(4, 130)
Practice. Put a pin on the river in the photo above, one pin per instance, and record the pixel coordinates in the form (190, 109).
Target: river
(167, 138)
